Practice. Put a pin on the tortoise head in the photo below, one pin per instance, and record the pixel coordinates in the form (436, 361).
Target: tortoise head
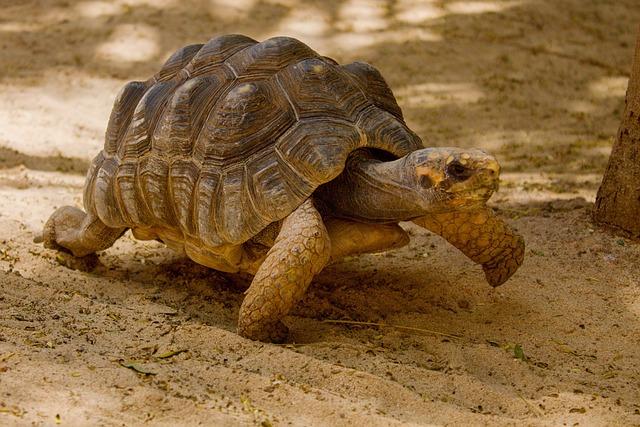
(447, 179)
(373, 188)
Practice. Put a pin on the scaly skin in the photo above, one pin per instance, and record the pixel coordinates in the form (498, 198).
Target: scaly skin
(353, 238)
(300, 251)
(481, 236)
(71, 229)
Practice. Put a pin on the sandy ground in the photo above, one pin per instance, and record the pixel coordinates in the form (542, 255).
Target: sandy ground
(148, 337)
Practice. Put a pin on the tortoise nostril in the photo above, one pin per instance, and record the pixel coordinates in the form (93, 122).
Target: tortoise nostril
(425, 181)
(458, 171)
(493, 168)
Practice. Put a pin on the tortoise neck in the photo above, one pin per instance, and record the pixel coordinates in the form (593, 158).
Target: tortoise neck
(370, 190)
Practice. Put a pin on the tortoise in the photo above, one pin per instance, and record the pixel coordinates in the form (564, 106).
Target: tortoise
(268, 158)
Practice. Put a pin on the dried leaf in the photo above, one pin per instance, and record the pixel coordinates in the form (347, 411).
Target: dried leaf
(6, 356)
(13, 410)
(246, 404)
(136, 366)
(171, 353)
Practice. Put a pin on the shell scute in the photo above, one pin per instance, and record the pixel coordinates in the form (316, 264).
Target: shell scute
(131, 201)
(385, 132)
(229, 210)
(318, 88)
(106, 205)
(248, 117)
(88, 194)
(183, 178)
(121, 113)
(205, 205)
(269, 189)
(318, 149)
(177, 62)
(153, 172)
(264, 59)
(215, 52)
(375, 87)
(186, 112)
(137, 140)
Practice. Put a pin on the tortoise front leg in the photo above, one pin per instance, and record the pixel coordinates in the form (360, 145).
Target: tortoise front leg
(300, 251)
(483, 237)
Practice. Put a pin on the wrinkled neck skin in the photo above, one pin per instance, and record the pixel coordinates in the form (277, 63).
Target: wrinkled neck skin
(370, 190)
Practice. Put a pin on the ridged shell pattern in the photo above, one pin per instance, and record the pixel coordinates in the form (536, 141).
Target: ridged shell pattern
(233, 135)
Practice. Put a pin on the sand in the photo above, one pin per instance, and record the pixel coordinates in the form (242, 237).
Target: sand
(148, 337)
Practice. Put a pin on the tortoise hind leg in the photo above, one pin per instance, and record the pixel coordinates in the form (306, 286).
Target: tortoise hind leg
(300, 251)
(73, 230)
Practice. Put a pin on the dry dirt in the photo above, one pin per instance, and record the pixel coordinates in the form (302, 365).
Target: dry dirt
(148, 338)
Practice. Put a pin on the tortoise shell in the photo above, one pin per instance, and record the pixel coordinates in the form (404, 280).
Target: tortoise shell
(233, 135)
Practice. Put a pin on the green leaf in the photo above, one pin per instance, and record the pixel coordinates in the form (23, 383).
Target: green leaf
(518, 352)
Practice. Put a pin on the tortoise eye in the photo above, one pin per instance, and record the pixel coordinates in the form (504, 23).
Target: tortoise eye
(425, 181)
(458, 171)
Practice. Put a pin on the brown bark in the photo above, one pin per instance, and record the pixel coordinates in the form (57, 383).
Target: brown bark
(618, 200)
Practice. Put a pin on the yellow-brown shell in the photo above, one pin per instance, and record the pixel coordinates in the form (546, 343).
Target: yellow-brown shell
(233, 135)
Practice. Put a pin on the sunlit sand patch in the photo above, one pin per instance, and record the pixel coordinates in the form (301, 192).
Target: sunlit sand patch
(495, 140)
(584, 107)
(347, 41)
(44, 120)
(130, 43)
(362, 16)
(306, 23)
(158, 4)
(609, 87)
(527, 187)
(19, 27)
(54, 15)
(475, 7)
(437, 94)
(415, 12)
(94, 9)
(231, 10)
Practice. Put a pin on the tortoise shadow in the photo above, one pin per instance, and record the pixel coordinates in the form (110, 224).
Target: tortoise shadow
(10, 158)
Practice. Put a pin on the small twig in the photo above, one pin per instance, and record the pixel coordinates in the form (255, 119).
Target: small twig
(530, 405)
(384, 325)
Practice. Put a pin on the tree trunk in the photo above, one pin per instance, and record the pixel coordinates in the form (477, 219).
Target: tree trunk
(618, 200)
